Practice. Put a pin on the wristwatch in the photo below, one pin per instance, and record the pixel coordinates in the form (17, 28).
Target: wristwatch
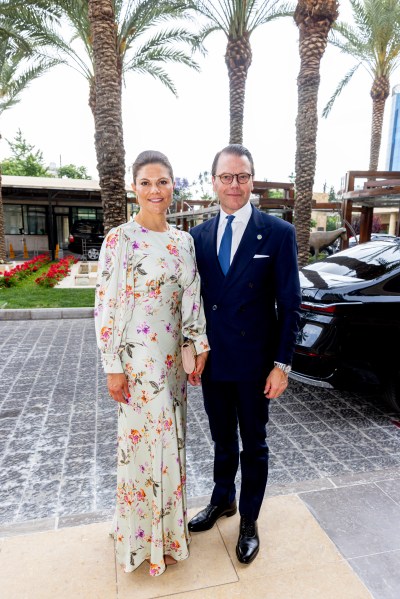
(286, 368)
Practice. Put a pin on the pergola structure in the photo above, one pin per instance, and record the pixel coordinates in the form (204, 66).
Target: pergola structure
(196, 211)
(380, 189)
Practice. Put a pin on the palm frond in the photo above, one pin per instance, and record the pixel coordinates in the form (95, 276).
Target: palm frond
(10, 94)
(140, 16)
(206, 30)
(214, 10)
(167, 37)
(160, 55)
(158, 73)
(339, 89)
(270, 11)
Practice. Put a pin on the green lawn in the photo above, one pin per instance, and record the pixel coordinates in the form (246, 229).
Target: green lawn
(27, 294)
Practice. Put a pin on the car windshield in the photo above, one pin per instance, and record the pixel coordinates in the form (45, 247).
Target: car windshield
(366, 261)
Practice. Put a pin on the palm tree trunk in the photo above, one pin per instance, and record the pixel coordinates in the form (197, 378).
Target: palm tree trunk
(108, 113)
(238, 60)
(379, 93)
(92, 96)
(2, 228)
(314, 19)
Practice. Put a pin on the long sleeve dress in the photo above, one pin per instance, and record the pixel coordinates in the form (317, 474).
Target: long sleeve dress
(147, 300)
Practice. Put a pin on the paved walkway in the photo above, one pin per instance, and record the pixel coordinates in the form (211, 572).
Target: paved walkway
(335, 462)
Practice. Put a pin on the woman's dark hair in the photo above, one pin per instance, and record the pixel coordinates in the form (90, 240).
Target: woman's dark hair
(151, 157)
(236, 149)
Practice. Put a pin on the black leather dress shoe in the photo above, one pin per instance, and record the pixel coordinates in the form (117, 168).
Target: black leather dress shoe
(206, 519)
(248, 542)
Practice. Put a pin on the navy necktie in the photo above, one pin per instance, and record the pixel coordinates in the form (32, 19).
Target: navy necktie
(224, 254)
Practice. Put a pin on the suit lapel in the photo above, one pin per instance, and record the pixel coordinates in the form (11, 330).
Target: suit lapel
(253, 238)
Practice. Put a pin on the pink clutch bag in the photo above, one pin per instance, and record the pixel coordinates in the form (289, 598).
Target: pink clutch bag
(188, 352)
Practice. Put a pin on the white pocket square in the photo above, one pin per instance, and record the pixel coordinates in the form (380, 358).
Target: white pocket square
(261, 256)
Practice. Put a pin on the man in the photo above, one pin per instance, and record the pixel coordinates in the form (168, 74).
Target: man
(250, 286)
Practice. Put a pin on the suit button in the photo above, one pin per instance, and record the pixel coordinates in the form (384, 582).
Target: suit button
(243, 333)
(214, 307)
(251, 284)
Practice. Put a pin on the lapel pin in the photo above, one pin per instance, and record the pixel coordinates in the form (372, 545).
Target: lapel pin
(259, 236)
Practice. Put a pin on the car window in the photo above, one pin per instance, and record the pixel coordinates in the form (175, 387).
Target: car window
(83, 228)
(88, 227)
(393, 286)
(365, 261)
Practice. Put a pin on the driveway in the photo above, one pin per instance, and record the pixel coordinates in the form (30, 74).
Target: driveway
(58, 430)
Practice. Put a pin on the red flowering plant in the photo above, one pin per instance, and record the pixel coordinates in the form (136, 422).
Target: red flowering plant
(18, 273)
(56, 272)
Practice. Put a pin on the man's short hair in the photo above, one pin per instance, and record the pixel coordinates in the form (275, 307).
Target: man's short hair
(237, 150)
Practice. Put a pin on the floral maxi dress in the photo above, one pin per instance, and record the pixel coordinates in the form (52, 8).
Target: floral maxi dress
(147, 299)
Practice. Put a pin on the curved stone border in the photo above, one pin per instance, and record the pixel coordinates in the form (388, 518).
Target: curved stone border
(46, 313)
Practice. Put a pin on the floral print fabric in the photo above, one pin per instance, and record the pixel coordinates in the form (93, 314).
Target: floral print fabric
(147, 299)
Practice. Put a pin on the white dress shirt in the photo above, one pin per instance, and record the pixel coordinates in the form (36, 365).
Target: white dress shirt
(239, 223)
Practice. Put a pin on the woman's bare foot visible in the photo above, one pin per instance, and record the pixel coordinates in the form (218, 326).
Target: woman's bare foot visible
(169, 560)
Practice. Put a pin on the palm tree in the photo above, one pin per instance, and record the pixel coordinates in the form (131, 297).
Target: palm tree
(109, 139)
(238, 19)
(314, 19)
(127, 27)
(23, 27)
(374, 42)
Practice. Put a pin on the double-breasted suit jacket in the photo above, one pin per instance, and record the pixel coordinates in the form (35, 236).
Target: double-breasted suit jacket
(252, 312)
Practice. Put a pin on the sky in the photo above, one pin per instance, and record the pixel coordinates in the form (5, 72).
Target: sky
(55, 117)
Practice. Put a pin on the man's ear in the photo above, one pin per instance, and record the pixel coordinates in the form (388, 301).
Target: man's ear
(213, 183)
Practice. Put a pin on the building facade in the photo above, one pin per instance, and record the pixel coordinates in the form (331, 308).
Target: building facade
(40, 211)
(393, 150)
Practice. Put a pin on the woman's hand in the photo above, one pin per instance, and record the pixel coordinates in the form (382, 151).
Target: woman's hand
(118, 387)
(195, 378)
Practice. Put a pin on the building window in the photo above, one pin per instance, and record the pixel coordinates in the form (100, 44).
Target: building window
(24, 220)
(35, 220)
(87, 214)
(13, 219)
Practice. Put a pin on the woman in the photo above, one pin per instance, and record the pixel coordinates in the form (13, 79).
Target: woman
(147, 300)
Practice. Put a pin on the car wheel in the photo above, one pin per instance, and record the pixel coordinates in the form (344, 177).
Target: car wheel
(93, 254)
(391, 393)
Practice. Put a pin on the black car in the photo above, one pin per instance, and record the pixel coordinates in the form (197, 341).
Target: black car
(86, 238)
(374, 237)
(350, 320)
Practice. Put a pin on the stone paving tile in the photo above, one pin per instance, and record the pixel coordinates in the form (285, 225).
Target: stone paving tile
(58, 430)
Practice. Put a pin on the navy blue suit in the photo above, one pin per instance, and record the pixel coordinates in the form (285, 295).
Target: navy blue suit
(252, 320)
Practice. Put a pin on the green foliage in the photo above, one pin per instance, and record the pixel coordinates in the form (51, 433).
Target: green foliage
(275, 193)
(203, 185)
(373, 42)
(143, 47)
(24, 160)
(27, 294)
(313, 223)
(71, 171)
(236, 18)
(333, 222)
(24, 28)
(332, 195)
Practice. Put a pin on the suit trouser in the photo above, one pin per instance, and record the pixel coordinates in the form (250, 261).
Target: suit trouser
(229, 404)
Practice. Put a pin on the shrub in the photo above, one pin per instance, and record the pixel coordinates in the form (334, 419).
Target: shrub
(56, 272)
(20, 272)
